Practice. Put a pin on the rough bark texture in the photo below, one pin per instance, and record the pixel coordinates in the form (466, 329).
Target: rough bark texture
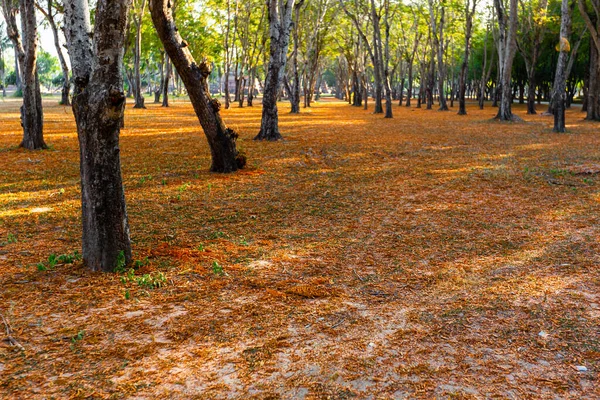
(165, 88)
(507, 46)
(560, 78)
(222, 140)
(32, 116)
(438, 43)
(137, 55)
(469, 13)
(98, 104)
(280, 23)
(593, 25)
(294, 90)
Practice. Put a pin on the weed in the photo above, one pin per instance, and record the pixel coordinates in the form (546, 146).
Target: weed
(78, 337)
(183, 187)
(201, 247)
(11, 238)
(148, 281)
(217, 269)
(141, 263)
(54, 260)
(217, 235)
(121, 262)
(151, 281)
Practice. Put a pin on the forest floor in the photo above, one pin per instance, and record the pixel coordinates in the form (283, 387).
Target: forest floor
(425, 256)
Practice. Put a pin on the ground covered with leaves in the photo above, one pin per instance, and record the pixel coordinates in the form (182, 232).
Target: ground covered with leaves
(426, 256)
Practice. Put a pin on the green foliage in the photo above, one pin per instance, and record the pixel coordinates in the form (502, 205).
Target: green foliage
(54, 260)
(217, 269)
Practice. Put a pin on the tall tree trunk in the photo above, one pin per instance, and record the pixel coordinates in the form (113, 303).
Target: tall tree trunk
(137, 55)
(507, 47)
(560, 78)
(161, 70)
(32, 117)
(294, 90)
(165, 88)
(462, 109)
(437, 30)
(593, 25)
(222, 140)
(98, 105)
(280, 22)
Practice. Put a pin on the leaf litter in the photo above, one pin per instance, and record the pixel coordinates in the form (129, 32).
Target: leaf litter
(418, 257)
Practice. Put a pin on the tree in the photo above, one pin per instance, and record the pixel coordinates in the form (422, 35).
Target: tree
(32, 116)
(98, 105)
(222, 140)
(469, 13)
(560, 78)
(138, 15)
(294, 89)
(506, 45)
(50, 14)
(592, 21)
(280, 23)
(437, 34)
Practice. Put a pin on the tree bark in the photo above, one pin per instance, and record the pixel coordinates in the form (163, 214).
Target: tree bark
(507, 46)
(32, 117)
(462, 109)
(168, 74)
(222, 140)
(560, 78)
(137, 55)
(593, 96)
(280, 23)
(98, 105)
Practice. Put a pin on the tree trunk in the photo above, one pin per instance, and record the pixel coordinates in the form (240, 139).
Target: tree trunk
(506, 52)
(32, 117)
(462, 109)
(161, 70)
(137, 55)
(409, 89)
(222, 140)
(294, 90)
(165, 88)
(98, 105)
(560, 78)
(280, 21)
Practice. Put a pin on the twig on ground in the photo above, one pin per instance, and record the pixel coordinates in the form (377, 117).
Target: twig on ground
(9, 338)
(358, 276)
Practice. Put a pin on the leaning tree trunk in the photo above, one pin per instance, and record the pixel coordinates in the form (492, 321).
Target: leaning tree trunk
(98, 105)
(280, 21)
(560, 78)
(32, 117)
(222, 140)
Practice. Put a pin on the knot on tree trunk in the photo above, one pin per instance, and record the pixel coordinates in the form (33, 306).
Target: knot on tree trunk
(204, 69)
(81, 81)
(116, 97)
(216, 105)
